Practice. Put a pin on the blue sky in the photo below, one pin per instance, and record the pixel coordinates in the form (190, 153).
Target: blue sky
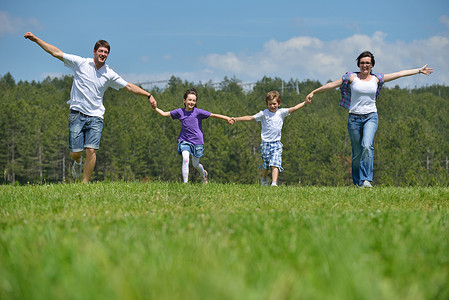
(202, 41)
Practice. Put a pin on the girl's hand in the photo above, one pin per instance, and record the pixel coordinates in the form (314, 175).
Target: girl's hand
(152, 101)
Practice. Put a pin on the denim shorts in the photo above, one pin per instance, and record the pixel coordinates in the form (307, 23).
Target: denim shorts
(271, 155)
(84, 132)
(195, 150)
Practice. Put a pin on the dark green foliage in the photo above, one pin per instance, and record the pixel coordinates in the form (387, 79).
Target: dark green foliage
(411, 144)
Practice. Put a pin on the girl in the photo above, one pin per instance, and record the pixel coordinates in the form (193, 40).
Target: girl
(190, 141)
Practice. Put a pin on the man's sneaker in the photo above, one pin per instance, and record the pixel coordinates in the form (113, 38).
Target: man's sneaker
(274, 184)
(264, 181)
(366, 184)
(77, 168)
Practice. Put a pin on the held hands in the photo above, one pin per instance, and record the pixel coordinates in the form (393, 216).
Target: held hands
(152, 102)
(231, 120)
(309, 98)
(425, 70)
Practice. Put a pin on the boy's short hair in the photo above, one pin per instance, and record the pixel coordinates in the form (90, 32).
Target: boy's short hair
(273, 95)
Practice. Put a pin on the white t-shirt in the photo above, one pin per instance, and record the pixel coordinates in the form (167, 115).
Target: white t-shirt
(89, 84)
(271, 123)
(363, 96)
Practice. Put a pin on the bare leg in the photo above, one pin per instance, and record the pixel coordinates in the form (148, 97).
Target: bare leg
(89, 164)
(274, 174)
(76, 156)
(264, 173)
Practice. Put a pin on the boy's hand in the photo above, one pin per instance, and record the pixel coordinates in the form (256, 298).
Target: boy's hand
(309, 97)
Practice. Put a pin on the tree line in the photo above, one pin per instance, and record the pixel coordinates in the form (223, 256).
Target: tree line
(411, 144)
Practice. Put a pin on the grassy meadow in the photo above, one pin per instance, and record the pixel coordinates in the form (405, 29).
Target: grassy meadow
(162, 240)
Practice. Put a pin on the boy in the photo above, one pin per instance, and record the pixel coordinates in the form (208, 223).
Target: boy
(272, 120)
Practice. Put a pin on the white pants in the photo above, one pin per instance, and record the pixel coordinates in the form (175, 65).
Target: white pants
(185, 165)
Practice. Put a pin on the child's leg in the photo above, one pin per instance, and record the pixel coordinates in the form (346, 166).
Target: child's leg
(185, 166)
(274, 174)
(198, 166)
(264, 179)
(264, 173)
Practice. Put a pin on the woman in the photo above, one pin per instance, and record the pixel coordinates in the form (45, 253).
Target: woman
(359, 93)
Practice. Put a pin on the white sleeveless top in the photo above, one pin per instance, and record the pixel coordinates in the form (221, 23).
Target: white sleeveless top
(363, 96)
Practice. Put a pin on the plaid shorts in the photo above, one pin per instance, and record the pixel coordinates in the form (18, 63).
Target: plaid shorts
(271, 155)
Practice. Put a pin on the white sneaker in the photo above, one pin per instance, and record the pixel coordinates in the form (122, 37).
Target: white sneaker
(77, 168)
(205, 181)
(264, 181)
(274, 184)
(366, 184)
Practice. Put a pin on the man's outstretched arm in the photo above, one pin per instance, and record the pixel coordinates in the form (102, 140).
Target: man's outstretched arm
(54, 51)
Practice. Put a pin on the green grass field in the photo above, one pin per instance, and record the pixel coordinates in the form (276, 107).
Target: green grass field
(163, 240)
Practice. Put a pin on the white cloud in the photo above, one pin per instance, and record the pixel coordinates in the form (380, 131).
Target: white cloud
(444, 20)
(310, 58)
(11, 25)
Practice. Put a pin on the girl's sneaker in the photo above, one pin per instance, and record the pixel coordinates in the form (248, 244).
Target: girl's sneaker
(264, 181)
(205, 181)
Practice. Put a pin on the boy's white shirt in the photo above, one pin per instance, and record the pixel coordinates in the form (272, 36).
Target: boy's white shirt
(271, 123)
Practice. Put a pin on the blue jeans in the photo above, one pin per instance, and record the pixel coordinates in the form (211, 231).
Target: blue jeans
(84, 132)
(195, 150)
(361, 130)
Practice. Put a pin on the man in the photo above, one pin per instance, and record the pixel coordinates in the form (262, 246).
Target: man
(92, 78)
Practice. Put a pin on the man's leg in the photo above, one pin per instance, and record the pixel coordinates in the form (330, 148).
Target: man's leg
(76, 164)
(93, 129)
(89, 164)
(76, 142)
(76, 156)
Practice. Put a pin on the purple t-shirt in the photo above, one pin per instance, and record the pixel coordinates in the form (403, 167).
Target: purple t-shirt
(192, 129)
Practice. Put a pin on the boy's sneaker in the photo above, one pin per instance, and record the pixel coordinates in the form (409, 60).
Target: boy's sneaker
(264, 181)
(366, 184)
(77, 168)
(274, 184)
